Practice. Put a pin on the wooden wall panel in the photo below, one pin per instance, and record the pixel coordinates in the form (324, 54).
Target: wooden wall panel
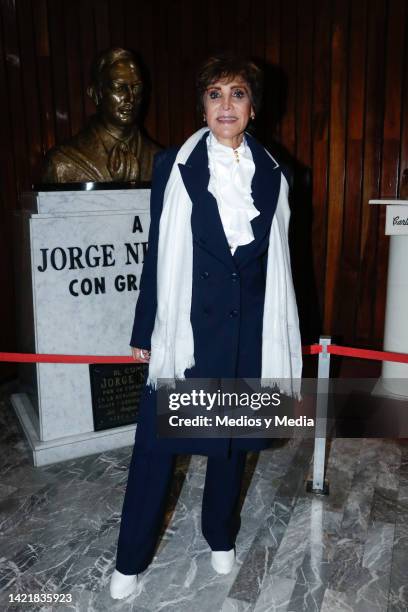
(8, 192)
(335, 109)
(15, 92)
(88, 48)
(29, 87)
(373, 119)
(258, 30)
(304, 77)
(59, 69)
(76, 84)
(161, 76)
(102, 31)
(188, 64)
(288, 51)
(391, 138)
(44, 82)
(320, 89)
(272, 90)
(116, 16)
(351, 226)
(337, 130)
(404, 112)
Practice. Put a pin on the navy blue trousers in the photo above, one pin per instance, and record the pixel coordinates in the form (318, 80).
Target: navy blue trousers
(145, 501)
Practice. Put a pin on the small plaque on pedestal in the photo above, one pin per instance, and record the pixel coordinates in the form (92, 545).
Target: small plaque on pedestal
(116, 391)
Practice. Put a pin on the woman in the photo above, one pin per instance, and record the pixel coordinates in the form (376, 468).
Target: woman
(216, 301)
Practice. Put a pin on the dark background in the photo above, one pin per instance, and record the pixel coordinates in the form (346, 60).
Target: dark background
(335, 105)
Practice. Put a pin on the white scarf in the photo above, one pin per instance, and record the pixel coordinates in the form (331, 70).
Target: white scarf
(172, 343)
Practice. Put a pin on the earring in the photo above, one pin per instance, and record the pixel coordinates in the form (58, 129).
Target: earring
(204, 119)
(253, 116)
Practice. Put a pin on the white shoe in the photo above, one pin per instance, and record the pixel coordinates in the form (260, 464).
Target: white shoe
(122, 586)
(223, 560)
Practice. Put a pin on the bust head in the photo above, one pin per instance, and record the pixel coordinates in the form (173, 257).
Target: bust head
(110, 147)
(116, 88)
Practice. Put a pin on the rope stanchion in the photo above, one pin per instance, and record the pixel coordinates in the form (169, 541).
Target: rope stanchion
(318, 484)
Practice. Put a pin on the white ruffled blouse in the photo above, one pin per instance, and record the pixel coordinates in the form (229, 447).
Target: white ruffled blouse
(231, 173)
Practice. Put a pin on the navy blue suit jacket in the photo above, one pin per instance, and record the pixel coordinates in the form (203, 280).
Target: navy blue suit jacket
(228, 290)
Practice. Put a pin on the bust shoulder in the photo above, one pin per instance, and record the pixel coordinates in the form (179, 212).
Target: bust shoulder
(76, 159)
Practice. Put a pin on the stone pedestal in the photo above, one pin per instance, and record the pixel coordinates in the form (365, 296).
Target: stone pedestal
(79, 264)
(394, 376)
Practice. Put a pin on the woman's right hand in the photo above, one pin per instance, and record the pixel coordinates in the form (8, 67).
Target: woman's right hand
(140, 355)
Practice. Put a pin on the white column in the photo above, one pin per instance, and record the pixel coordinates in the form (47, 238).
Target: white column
(394, 376)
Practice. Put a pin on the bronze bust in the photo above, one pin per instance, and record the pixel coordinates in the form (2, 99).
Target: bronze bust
(111, 147)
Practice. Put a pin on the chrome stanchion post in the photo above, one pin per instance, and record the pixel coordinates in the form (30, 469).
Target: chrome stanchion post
(318, 484)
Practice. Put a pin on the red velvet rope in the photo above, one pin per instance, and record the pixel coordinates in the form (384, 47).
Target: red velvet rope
(44, 358)
(349, 351)
(311, 349)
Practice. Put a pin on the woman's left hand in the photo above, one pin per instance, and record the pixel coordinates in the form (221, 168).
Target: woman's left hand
(141, 355)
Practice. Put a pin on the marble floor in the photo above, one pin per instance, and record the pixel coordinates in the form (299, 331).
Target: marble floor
(295, 551)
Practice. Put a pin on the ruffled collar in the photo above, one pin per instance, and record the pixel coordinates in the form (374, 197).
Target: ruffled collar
(231, 173)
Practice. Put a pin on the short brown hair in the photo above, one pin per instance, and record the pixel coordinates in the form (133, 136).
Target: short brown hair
(226, 66)
(105, 60)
